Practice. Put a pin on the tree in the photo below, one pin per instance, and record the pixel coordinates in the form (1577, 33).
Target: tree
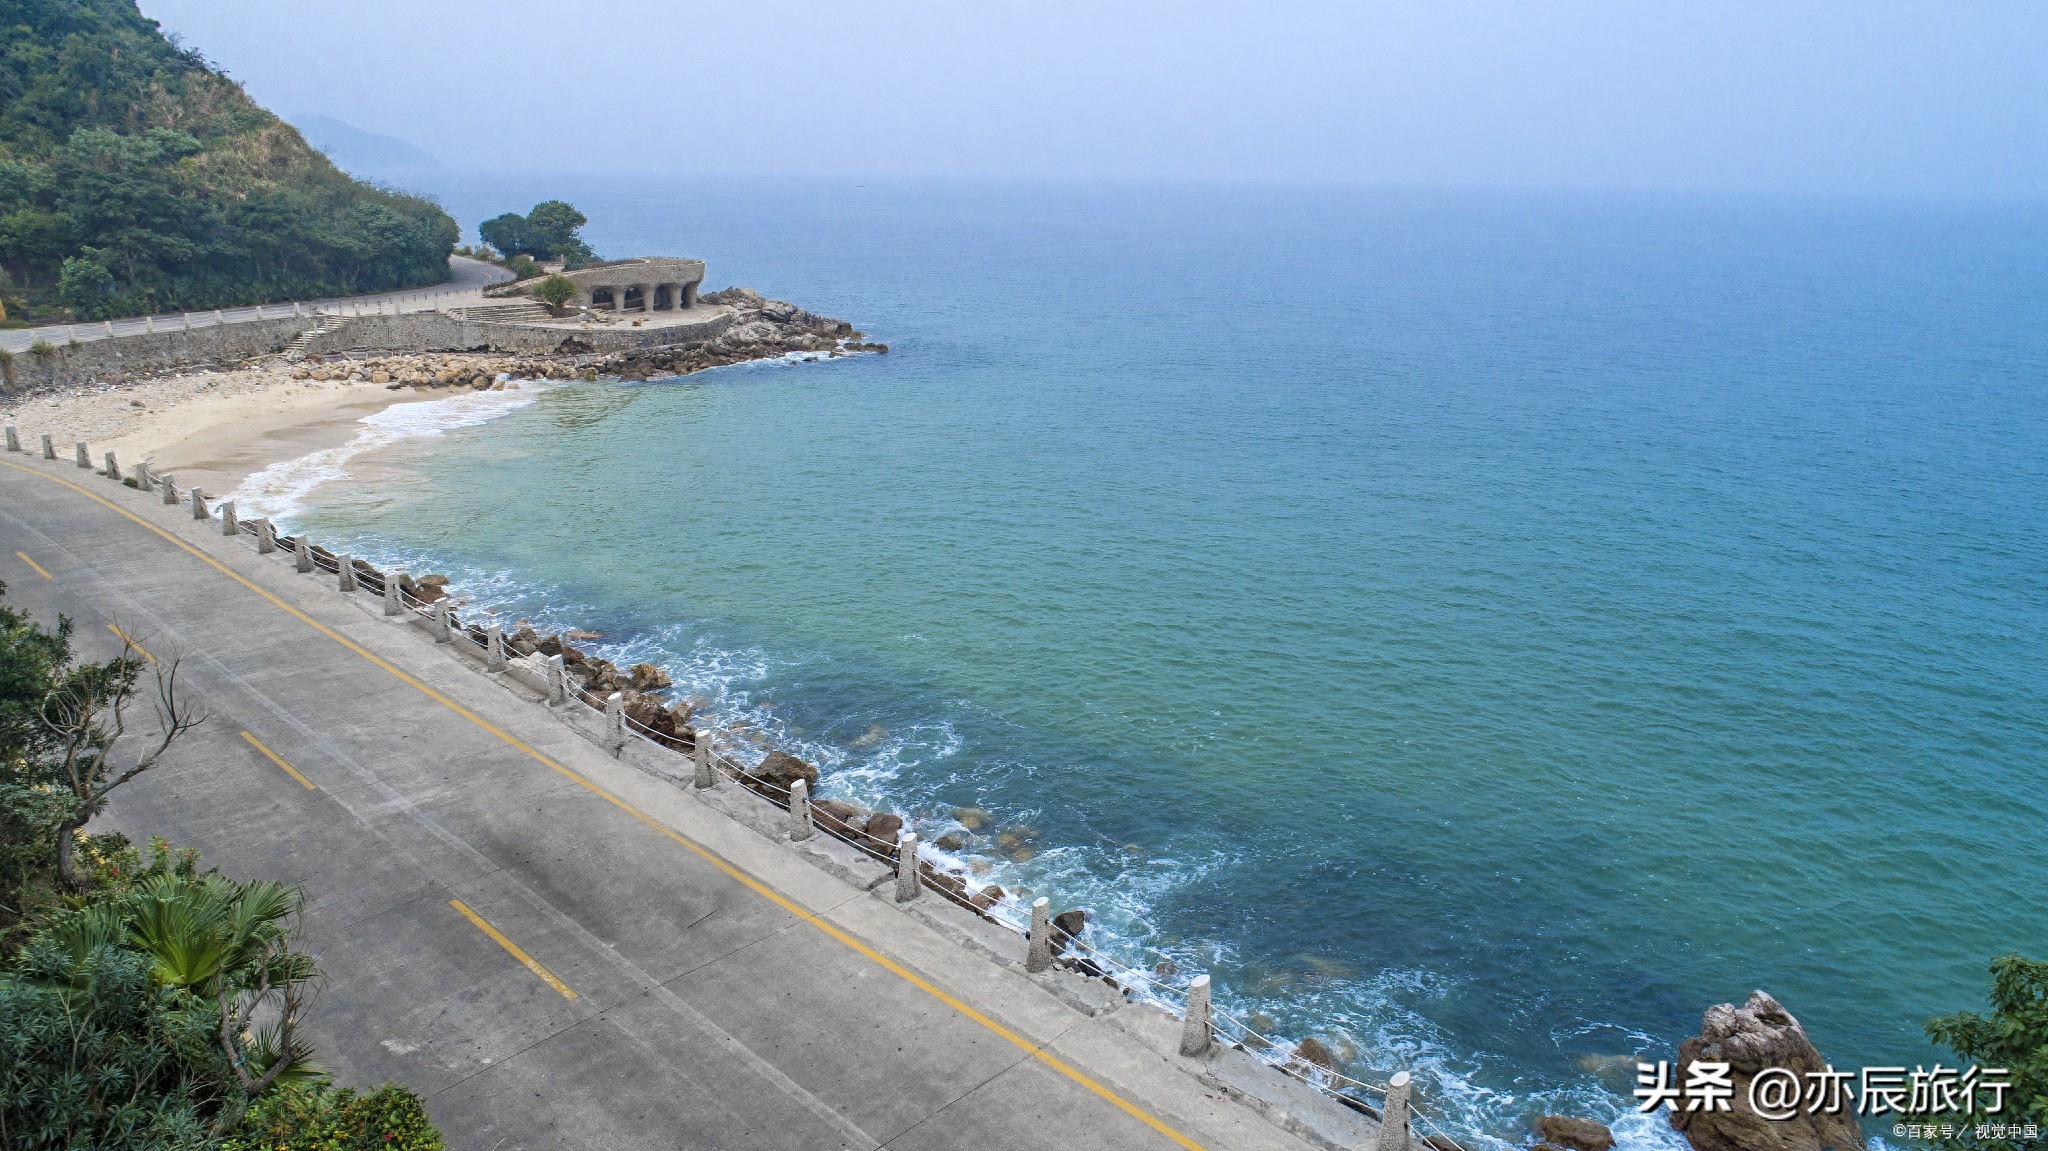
(83, 714)
(86, 287)
(555, 291)
(506, 233)
(2014, 1037)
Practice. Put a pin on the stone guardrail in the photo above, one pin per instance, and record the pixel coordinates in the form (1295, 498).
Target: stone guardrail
(1203, 1024)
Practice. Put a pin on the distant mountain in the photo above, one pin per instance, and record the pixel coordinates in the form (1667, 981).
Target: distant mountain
(370, 154)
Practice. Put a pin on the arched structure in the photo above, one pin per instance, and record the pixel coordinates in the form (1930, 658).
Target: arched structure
(648, 284)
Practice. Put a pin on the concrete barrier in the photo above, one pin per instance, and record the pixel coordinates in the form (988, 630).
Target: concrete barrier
(392, 583)
(49, 448)
(170, 490)
(345, 573)
(615, 723)
(198, 504)
(84, 457)
(1394, 1114)
(800, 827)
(302, 554)
(494, 648)
(1195, 1024)
(229, 525)
(442, 632)
(13, 438)
(701, 751)
(558, 680)
(907, 886)
(113, 468)
(266, 536)
(1039, 956)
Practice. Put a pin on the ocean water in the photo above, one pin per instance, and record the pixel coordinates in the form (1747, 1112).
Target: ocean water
(1481, 630)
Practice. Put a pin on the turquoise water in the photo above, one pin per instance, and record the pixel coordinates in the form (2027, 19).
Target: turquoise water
(1482, 630)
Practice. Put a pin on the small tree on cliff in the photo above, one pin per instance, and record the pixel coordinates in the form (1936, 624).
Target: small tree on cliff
(555, 291)
(2015, 1037)
(82, 715)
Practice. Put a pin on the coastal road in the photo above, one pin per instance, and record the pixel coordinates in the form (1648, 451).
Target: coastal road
(554, 949)
(466, 283)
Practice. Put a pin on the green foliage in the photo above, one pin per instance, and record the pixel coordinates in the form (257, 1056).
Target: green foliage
(549, 232)
(124, 153)
(31, 657)
(325, 1119)
(555, 291)
(2015, 1037)
(522, 267)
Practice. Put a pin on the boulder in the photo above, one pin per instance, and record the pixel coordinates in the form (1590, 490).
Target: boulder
(987, 897)
(1071, 922)
(1314, 1051)
(525, 640)
(783, 769)
(949, 842)
(884, 825)
(1574, 1134)
(647, 677)
(833, 812)
(1759, 1034)
(971, 818)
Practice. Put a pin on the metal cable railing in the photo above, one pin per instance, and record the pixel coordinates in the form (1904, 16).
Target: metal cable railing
(1006, 910)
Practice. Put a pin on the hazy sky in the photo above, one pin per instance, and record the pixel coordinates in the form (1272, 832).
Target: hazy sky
(1943, 97)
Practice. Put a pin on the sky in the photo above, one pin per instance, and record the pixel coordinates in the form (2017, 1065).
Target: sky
(1946, 99)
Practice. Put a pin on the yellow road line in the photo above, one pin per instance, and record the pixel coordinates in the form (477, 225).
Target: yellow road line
(279, 761)
(130, 641)
(528, 961)
(35, 565)
(766, 892)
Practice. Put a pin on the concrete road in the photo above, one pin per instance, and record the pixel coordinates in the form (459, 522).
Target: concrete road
(554, 948)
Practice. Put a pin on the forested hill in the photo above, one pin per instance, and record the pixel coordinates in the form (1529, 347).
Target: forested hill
(135, 177)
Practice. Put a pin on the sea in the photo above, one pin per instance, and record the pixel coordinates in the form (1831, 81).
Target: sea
(1481, 629)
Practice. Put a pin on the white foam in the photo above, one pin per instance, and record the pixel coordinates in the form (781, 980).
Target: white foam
(281, 490)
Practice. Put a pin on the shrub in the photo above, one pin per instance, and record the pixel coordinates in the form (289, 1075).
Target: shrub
(555, 291)
(326, 1119)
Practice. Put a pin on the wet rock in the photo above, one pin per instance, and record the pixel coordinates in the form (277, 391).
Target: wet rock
(1313, 1051)
(987, 897)
(884, 826)
(949, 842)
(1574, 1134)
(1070, 923)
(1759, 1034)
(782, 769)
(524, 641)
(647, 677)
(971, 818)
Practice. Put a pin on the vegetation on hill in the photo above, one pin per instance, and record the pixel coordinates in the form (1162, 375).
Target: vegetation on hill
(146, 1003)
(549, 232)
(135, 177)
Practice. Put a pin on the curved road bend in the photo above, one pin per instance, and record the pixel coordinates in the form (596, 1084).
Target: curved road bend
(554, 949)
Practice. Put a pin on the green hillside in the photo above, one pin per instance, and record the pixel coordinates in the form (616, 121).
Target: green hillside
(135, 177)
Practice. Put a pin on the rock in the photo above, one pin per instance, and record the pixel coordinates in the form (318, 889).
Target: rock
(884, 825)
(949, 842)
(525, 641)
(833, 812)
(1312, 1050)
(1575, 1134)
(647, 677)
(987, 897)
(1759, 1034)
(971, 818)
(1071, 922)
(783, 769)
(648, 712)
(779, 311)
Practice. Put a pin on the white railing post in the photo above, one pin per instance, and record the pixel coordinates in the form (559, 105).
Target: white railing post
(1194, 1021)
(558, 680)
(170, 483)
(188, 321)
(345, 576)
(84, 457)
(229, 526)
(13, 438)
(442, 634)
(113, 469)
(1039, 957)
(142, 480)
(110, 327)
(615, 723)
(149, 323)
(1394, 1115)
(198, 503)
(302, 553)
(49, 448)
(701, 750)
(800, 827)
(266, 536)
(494, 648)
(907, 886)
(393, 605)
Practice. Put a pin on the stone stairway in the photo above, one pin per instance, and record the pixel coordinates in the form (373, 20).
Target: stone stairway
(520, 310)
(296, 349)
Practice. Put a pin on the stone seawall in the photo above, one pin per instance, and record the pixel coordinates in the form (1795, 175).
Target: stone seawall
(435, 332)
(150, 352)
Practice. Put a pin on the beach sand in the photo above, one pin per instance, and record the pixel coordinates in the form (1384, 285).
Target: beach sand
(208, 427)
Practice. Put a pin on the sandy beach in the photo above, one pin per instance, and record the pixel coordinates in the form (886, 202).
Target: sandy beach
(208, 427)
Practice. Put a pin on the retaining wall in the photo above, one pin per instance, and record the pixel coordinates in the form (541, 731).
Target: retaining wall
(150, 352)
(436, 332)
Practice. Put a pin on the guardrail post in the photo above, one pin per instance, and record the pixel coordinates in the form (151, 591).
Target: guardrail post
(701, 750)
(229, 525)
(494, 649)
(13, 438)
(198, 504)
(441, 632)
(302, 553)
(615, 723)
(1394, 1115)
(345, 575)
(170, 483)
(558, 680)
(1039, 957)
(393, 605)
(800, 827)
(84, 457)
(143, 482)
(1194, 1021)
(113, 468)
(49, 448)
(266, 536)
(907, 886)
(110, 326)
